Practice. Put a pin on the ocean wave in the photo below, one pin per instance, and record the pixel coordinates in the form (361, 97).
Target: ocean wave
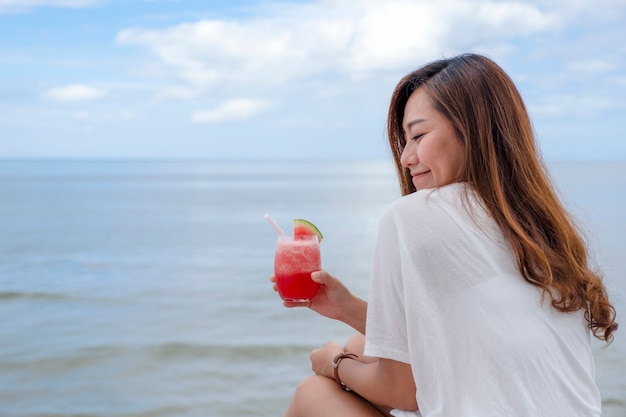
(44, 296)
(51, 364)
(253, 351)
(179, 352)
(164, 411)
(63, 415)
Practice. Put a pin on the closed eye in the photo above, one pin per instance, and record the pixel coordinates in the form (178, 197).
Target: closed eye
(417, 137)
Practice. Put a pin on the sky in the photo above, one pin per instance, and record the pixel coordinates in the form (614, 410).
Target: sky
(290, 79)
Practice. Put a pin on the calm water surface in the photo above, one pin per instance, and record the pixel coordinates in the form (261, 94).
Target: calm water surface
(141, 288)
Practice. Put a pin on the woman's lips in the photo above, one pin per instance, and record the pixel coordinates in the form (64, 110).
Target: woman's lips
(417, 174)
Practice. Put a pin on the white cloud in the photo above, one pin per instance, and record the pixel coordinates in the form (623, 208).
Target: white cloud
(82, 115)
(230, 110)
(176, 92)
(591, 66)
(619, 81)
(569, 104)
(336, 37)
(20, 5)
(125, 115)
(75, 92)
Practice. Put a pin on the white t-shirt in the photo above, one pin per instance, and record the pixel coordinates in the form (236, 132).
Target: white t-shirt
(446, 297)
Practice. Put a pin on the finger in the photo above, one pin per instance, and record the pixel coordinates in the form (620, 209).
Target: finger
(293, 304)
(321, 277)
(327, 280)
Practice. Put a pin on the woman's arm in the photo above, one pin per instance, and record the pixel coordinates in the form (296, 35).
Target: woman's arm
(380, 381)
(383, 381)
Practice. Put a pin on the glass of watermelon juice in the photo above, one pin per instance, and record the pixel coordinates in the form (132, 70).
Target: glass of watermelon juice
(296, 258)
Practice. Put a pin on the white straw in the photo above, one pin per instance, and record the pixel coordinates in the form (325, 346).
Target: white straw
(274, 225)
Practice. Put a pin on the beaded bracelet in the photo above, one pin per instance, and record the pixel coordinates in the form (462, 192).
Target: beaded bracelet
(336, 361)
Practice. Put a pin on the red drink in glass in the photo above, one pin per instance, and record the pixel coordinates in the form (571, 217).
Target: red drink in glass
(294, 262)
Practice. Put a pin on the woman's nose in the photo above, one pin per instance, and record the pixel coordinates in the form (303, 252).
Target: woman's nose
(409, 156)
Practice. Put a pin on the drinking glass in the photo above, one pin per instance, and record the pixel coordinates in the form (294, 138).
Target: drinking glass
(296, 258)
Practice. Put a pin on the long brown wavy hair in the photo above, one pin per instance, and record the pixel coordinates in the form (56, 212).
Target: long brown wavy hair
(505, 169)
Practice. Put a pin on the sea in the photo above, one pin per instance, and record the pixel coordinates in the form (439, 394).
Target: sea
(141, 288)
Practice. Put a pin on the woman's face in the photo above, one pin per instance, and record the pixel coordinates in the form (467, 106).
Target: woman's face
(433, 153)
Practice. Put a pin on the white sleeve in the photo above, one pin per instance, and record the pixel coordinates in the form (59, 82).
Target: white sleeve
(386, 330)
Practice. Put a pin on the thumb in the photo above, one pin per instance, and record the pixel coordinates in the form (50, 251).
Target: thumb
(323, 277)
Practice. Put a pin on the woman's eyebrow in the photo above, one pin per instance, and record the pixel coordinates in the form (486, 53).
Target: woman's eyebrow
(414, 122)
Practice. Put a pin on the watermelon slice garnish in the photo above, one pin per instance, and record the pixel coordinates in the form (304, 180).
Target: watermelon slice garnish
(303, 227)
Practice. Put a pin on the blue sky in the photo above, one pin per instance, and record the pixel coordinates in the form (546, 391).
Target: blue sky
(290, 79)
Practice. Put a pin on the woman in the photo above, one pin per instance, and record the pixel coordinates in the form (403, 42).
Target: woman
(482, 300)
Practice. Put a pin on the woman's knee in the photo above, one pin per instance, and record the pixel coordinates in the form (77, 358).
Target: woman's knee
(356, 344)
(313, 388)
(319, 396)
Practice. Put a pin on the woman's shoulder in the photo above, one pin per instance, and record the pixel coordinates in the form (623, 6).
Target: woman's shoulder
(436, 209)
(432, 199)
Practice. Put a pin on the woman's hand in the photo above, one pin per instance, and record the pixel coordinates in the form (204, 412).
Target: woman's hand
(334, 300)
(331, 298)
(322, 359)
